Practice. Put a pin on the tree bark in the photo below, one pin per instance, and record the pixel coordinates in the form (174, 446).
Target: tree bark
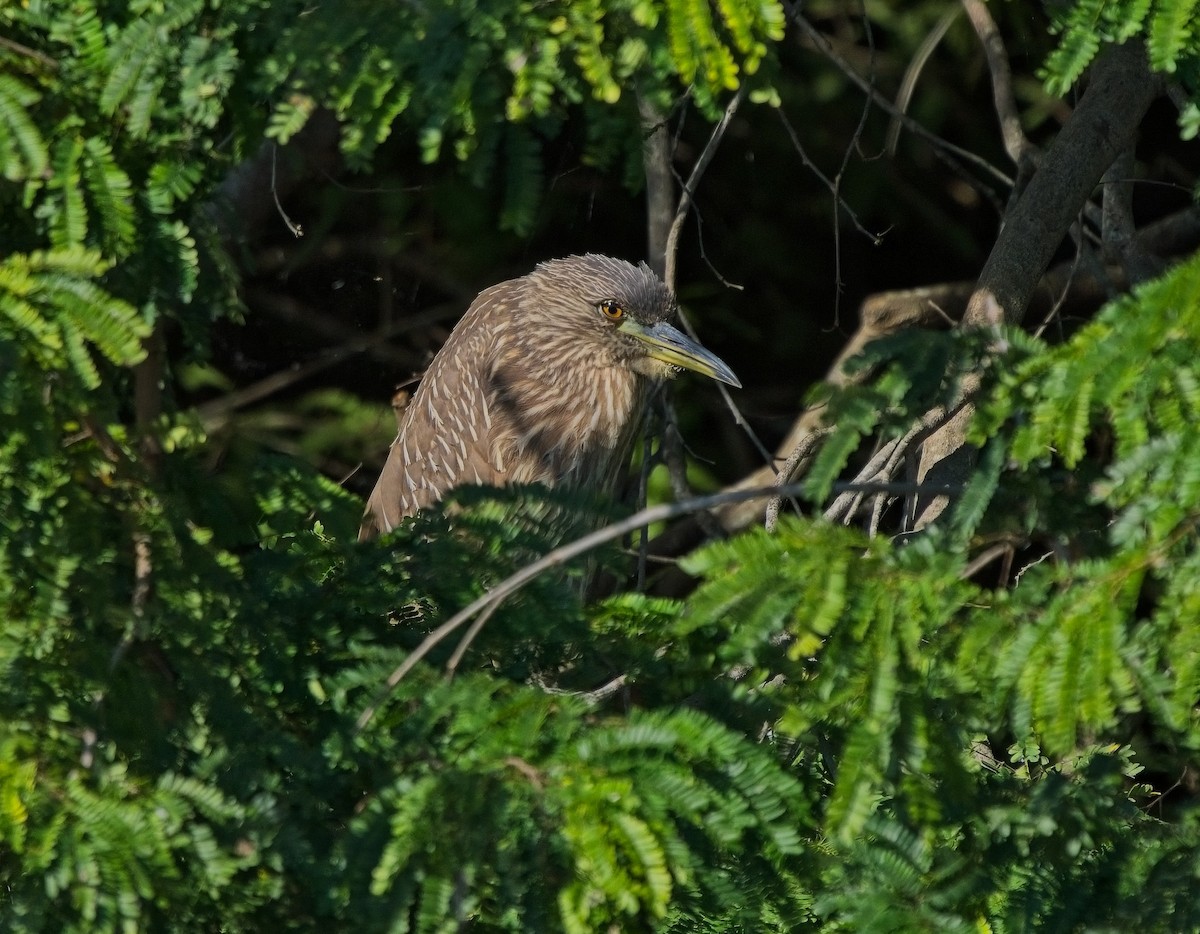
(1119, 93)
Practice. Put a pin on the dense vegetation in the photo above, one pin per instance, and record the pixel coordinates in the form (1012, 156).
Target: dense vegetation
(218, 712)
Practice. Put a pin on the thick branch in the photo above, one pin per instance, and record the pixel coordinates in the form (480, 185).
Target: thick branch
(1117, 98)
(934, 306)
(1119, 93)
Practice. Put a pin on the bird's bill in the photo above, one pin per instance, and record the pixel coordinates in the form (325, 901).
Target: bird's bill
(670, 345)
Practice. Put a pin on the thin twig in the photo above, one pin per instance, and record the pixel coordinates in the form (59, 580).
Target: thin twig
(986, 557)
(1016, 144)
(875, 238)
(737, 287)
(689, 188)
(296, 229)
(853, 145)
(912, 74)
(738, 418)
(801, 452)
(686, 197)
(469, 636)
(881, 101)
(1056, 307)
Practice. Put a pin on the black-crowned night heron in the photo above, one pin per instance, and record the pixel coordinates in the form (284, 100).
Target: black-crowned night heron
(542, 381)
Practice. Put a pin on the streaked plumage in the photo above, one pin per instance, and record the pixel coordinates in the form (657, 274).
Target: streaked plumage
(542, 381)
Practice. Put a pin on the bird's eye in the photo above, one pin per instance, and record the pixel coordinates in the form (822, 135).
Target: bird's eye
(611, 309)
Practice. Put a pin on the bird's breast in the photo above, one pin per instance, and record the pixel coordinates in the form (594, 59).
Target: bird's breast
(578, 432)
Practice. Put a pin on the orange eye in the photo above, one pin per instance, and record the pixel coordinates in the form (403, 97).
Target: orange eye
(611, 309)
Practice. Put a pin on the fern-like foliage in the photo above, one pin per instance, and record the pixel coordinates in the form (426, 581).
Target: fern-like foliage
(50, 304)
(23, 151)
(1168, 27)
(491, 82)
(830, 733)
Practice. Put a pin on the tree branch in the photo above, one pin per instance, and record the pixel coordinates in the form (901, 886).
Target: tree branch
(689, 188)
(932, 306)
(1016, 144)
(247, 197)
(660, 183)
(822, 44)
(1118, 95)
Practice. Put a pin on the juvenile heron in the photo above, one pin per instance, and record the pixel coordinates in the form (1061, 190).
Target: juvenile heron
(542, 381)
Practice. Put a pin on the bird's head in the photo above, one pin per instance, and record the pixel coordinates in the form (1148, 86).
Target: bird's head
(614, 312)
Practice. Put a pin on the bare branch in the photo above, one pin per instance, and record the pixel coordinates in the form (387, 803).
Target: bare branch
(1016, 144)
(1118, 95)
(656, 165)
(799, 458)
(814, 35)
(40, 57)
(465, 642)
(249, 194)
(880, 468)
(689, 188)
(834, 188)
(913, 73)
(854, 144)
(296, 230)
(671, 249)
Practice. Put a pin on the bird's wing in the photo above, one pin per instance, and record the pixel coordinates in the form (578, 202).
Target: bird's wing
(445, 434)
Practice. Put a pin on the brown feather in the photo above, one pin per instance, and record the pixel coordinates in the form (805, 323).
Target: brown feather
(534, 385)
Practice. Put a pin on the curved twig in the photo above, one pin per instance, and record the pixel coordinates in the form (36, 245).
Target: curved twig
(689, 187)
(912, 74)
(802, 452)
(1016, 144)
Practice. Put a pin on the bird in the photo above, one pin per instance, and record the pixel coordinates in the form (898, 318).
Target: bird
(543, 380)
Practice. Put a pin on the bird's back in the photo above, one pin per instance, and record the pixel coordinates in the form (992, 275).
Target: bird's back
(445, 432)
